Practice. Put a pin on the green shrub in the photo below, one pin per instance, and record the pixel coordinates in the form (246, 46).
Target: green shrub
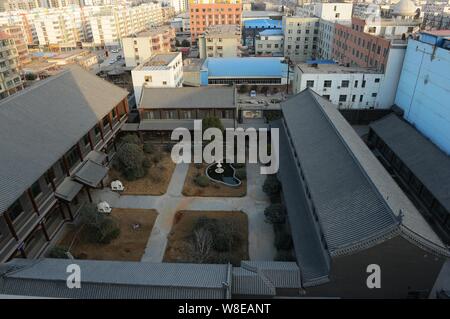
(131, 139)
(271, 185)
(58, 252)
(202, 181)
(149, 148)
(275, 214)
(283, 239)
(212, 121)
(30, 76)
(241, 173)
(98, 228)
(130, 160)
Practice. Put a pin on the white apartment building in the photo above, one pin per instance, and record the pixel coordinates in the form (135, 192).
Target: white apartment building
(220, 41)
(301, 37)
(346, 87)
(269, 43)
(161, 70)
(111, 23)
(331, 11)
(63, 27)
(139, 47)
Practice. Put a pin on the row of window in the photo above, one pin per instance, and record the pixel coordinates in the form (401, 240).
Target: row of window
(187, 114)
(344, 83)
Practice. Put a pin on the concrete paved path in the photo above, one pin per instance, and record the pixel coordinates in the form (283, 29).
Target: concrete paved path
(261, 237)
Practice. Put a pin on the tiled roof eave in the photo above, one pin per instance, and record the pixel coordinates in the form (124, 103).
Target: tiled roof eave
(352, 248)
(423, 243)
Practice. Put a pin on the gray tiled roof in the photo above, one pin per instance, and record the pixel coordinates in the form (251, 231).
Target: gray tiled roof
(188, 97)
(281, 274)
(171, 124)
(357, 202)
(39, 124)
(114, 279)
(246, 282)
(311, 256)
(425, 160)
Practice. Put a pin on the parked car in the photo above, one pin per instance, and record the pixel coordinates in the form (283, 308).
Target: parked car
(114, 51)
(112, 61)
(253, 93)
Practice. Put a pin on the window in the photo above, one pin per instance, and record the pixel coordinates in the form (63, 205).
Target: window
(326, 97)
(309, 84)
(342, 98)
(353, 98)
(73, 156)
(36, 189)
(377, 80)
(363, 84)
(356, 83)
(374, 95)
(345, 83)
(148, 78)
(15, 210)
(360, 98)
(164, 82)
(327, 83)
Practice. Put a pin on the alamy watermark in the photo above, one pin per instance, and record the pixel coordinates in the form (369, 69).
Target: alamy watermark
(190, 149)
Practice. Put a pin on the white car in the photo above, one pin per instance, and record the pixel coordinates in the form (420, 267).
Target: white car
(114, 51)
(253, 93)
(112, 61)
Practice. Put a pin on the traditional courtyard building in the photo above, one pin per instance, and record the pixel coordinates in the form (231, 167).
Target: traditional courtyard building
(163, 109)
(57, 138)
(346, 212)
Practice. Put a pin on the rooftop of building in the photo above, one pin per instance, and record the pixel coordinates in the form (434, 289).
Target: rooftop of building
(41, 123)
(356, 201)
(263, 23)
(193, 64)
(223, 31)
(246, 67)
(255, 14)
(328, 68)
(271, 32)
(116, 279)
(438, 33)
(425, 160)
(159, 61)
(188, 97)
(150, 32)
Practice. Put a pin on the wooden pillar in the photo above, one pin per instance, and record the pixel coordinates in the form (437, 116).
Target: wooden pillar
(44, 230)
(100, 126)
(110, 120)
(88, 193)
(91, 143)
(10, 225)
(33, 202)
(69, 210)
(80, 153)
(66, 165)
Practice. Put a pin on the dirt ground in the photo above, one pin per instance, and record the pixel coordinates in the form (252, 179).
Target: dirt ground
(129, 246)
(154, 183)
(214, 189)
(178, 249)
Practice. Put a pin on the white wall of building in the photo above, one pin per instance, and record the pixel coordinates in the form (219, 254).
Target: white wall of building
(356, 96)
(170, 75)
(301, 37)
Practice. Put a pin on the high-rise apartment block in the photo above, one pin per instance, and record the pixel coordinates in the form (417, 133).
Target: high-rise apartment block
(204, 13)
(10, 81)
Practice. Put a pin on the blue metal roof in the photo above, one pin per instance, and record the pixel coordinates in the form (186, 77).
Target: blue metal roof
(263, 24)
(246, 67)
(271, 32)
(320, 62)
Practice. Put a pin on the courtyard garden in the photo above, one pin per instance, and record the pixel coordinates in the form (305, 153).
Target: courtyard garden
(198, 183)
(122, 235)
(143, 168)
(208, 237)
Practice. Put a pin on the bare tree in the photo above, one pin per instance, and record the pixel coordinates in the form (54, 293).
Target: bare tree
(202, 244)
